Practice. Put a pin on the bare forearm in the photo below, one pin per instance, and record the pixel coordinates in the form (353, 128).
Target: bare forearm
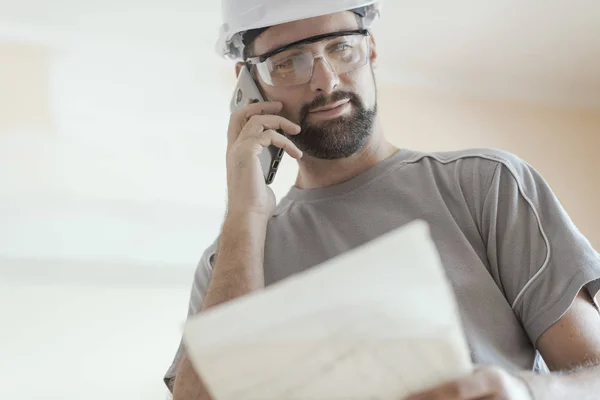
(237, 272)
(240, 256)
(582, 384)
(188, 385)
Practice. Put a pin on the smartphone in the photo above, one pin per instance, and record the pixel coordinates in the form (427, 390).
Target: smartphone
(246, 88)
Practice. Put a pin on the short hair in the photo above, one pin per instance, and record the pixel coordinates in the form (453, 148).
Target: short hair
(248, 51)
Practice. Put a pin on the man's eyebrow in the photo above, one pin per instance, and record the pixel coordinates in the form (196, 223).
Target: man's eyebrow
(284, 44)
(280, 45)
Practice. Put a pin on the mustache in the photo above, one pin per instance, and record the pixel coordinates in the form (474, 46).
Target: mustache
(322, 101)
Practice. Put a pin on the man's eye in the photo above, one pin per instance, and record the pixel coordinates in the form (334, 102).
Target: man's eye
(287, 64)
(343, 47)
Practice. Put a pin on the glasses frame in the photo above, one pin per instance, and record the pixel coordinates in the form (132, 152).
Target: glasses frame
(313, 39)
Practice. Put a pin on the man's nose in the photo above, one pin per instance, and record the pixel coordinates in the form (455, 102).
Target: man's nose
(324, 79)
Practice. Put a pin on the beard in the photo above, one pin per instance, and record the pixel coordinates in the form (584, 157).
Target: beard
(339, 137)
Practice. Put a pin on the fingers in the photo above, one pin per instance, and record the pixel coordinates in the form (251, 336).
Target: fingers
(263, 107)
(259, 123)
(254, 127)
(468, 388)
(240, 118)
(484, 383)
(273, 138)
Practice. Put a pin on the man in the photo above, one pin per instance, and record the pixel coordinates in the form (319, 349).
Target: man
(523, 275)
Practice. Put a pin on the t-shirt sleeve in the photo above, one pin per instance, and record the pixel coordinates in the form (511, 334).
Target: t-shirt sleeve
(199, 288)
(536, 253)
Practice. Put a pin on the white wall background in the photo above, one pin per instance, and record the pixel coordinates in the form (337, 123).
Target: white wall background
(112, 137)
(85, 341)
(111, 185)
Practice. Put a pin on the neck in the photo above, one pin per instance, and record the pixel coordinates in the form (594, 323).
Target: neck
(315, 173)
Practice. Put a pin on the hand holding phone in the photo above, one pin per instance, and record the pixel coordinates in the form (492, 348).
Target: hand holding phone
(252, 131)
(246, 91)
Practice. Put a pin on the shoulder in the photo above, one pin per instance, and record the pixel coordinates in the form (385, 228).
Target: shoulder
(471, 170)
(475, 155)
(480, 161)
(477, 160)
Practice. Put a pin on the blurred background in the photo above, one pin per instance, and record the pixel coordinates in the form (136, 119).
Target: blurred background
(113, 118)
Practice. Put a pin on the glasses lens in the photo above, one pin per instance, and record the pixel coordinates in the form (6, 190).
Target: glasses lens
(295, 66)
(347, 53)
(290, 67)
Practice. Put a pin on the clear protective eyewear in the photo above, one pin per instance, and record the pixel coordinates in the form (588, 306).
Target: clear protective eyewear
(294, 63)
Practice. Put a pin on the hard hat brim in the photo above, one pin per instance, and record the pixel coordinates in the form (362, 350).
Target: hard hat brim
(231, 44)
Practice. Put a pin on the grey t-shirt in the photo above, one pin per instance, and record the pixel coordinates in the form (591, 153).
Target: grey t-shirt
(515, 259)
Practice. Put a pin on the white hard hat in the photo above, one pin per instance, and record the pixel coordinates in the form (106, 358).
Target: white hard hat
(240, 16)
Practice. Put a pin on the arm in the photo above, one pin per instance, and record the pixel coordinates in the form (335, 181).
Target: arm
(572, 344)
(572, 348)
(240, 253)
(238, 271)
(545, 268)
(238, 268)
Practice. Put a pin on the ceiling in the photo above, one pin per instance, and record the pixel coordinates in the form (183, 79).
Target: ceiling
(525, 49)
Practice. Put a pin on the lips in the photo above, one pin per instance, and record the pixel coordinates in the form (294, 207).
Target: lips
(330, 106)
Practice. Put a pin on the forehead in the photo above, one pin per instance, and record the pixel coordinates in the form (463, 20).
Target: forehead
(280, 35)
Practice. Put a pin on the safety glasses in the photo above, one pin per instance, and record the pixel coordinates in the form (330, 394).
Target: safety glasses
(293, 64)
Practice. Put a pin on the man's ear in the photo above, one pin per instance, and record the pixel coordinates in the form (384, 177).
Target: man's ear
(238, 69)
(373, 57)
